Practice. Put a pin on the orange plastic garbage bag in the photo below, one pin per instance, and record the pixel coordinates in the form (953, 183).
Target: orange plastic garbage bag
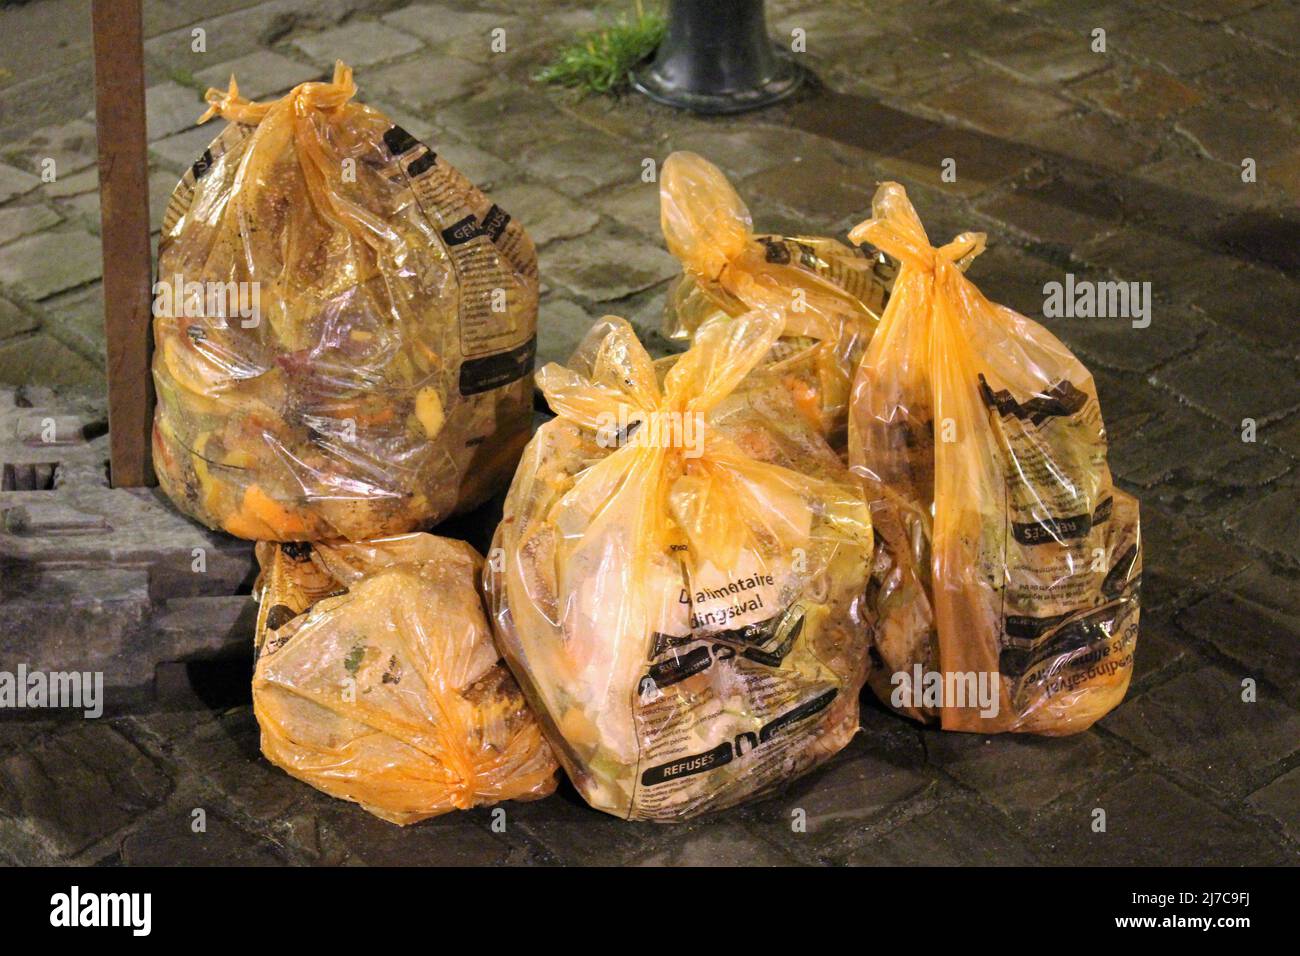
(828, 295)
(678, 574)
(377, 680)
(344, 327)
(1005, 594)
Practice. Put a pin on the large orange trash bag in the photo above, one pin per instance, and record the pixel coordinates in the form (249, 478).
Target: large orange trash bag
(828, 295)
(1006, 588)
(377, 680)
(678, 575)
(344, 327)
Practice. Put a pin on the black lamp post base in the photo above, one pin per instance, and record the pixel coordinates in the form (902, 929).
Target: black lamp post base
(787, 77)
(716, 57)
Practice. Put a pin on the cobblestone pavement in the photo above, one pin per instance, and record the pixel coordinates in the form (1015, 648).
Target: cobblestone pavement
(1124, 164)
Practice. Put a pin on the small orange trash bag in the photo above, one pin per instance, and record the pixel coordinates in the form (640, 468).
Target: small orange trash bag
(1005, 593)
(377, 680)
(827, 295)
(344, 327)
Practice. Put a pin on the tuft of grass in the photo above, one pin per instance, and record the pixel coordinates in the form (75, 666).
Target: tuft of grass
(599, 61)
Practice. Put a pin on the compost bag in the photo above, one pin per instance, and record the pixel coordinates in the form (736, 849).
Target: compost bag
(678, 576)
(828, 295)
(377, 680)
(1009, 565)
(344, 326)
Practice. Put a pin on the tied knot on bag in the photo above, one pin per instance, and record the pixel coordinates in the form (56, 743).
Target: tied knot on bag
(230, 105)
(708, 227)
(720, 498)
(895, 229)
(304, 115)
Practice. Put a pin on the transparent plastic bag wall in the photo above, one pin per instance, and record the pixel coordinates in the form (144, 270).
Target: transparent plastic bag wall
(828, 295)
(679, 573)
(344, 327)
(377, 680)
(1007, 555)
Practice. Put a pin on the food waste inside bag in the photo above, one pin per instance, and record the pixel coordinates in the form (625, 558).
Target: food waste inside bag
(1005, 594)
(377, 680)
(828, 295)
(682, 564)
(344, 327)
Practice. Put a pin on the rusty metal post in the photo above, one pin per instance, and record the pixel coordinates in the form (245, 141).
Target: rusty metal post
(124, 232)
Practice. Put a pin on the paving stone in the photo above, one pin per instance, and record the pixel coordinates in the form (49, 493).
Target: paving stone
(43, 359)
(41, 265)
(1062, 209)
(71, 145)
(1183, 443)
(18, 221)
(714, 842)
(577, 835)
(1138, 94)
(438, 23)
(1180, 559)
(359, 44)
(817, 187)
(1281, 801)
(604, 265)
(170, 108)
(79, 787)
(1095, 142)
(546, 214)
(1198, 724)
(1262, 640)
(866, 124)
(1020, 774)
(503, 121)
(15, 182)
(1115, 343)
(635, 205)
(898, 65)
(1161, 645)
(1231, 133)
(1264, 81)
(738, 151)
(958, 832)
(350, 835)
(261, 74)
(168, 839)
(77, 320)
(180, 151)
(1211, 11)
(75, 184)
(1271, 520)
(1249, 300)
(1274, 24)
(1263, 389)
(1046, 56)
(427, 80)
(15, 320)
(579, 165)
(995, 104)
(1152, 822)
(1176, 269)
(981, 161)
(560, 327)
(1181, 47)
